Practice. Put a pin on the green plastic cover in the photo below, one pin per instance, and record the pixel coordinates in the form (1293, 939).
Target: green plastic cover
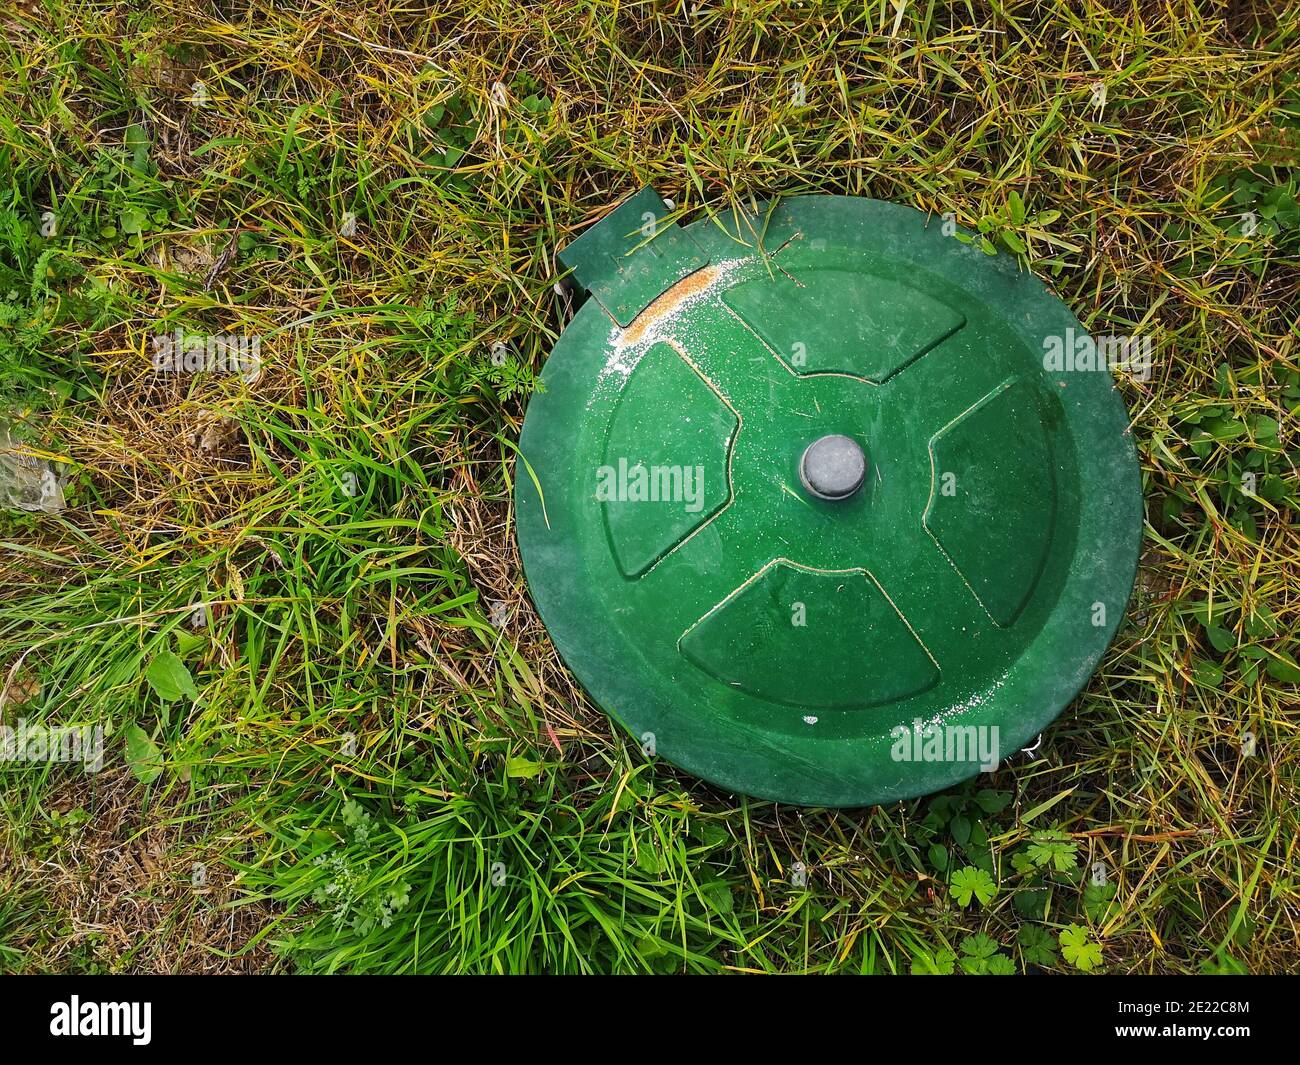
(774, 641)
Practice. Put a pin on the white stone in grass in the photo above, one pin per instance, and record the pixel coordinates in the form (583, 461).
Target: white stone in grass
(27, 482)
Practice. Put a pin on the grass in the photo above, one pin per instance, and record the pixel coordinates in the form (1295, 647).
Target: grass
(383, 767)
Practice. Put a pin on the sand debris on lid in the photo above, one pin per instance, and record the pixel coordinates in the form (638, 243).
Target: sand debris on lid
(668, 304)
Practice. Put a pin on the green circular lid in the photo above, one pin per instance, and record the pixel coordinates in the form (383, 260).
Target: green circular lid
(819, 503)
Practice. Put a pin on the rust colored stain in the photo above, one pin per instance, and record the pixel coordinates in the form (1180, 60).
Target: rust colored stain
(665, 305)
